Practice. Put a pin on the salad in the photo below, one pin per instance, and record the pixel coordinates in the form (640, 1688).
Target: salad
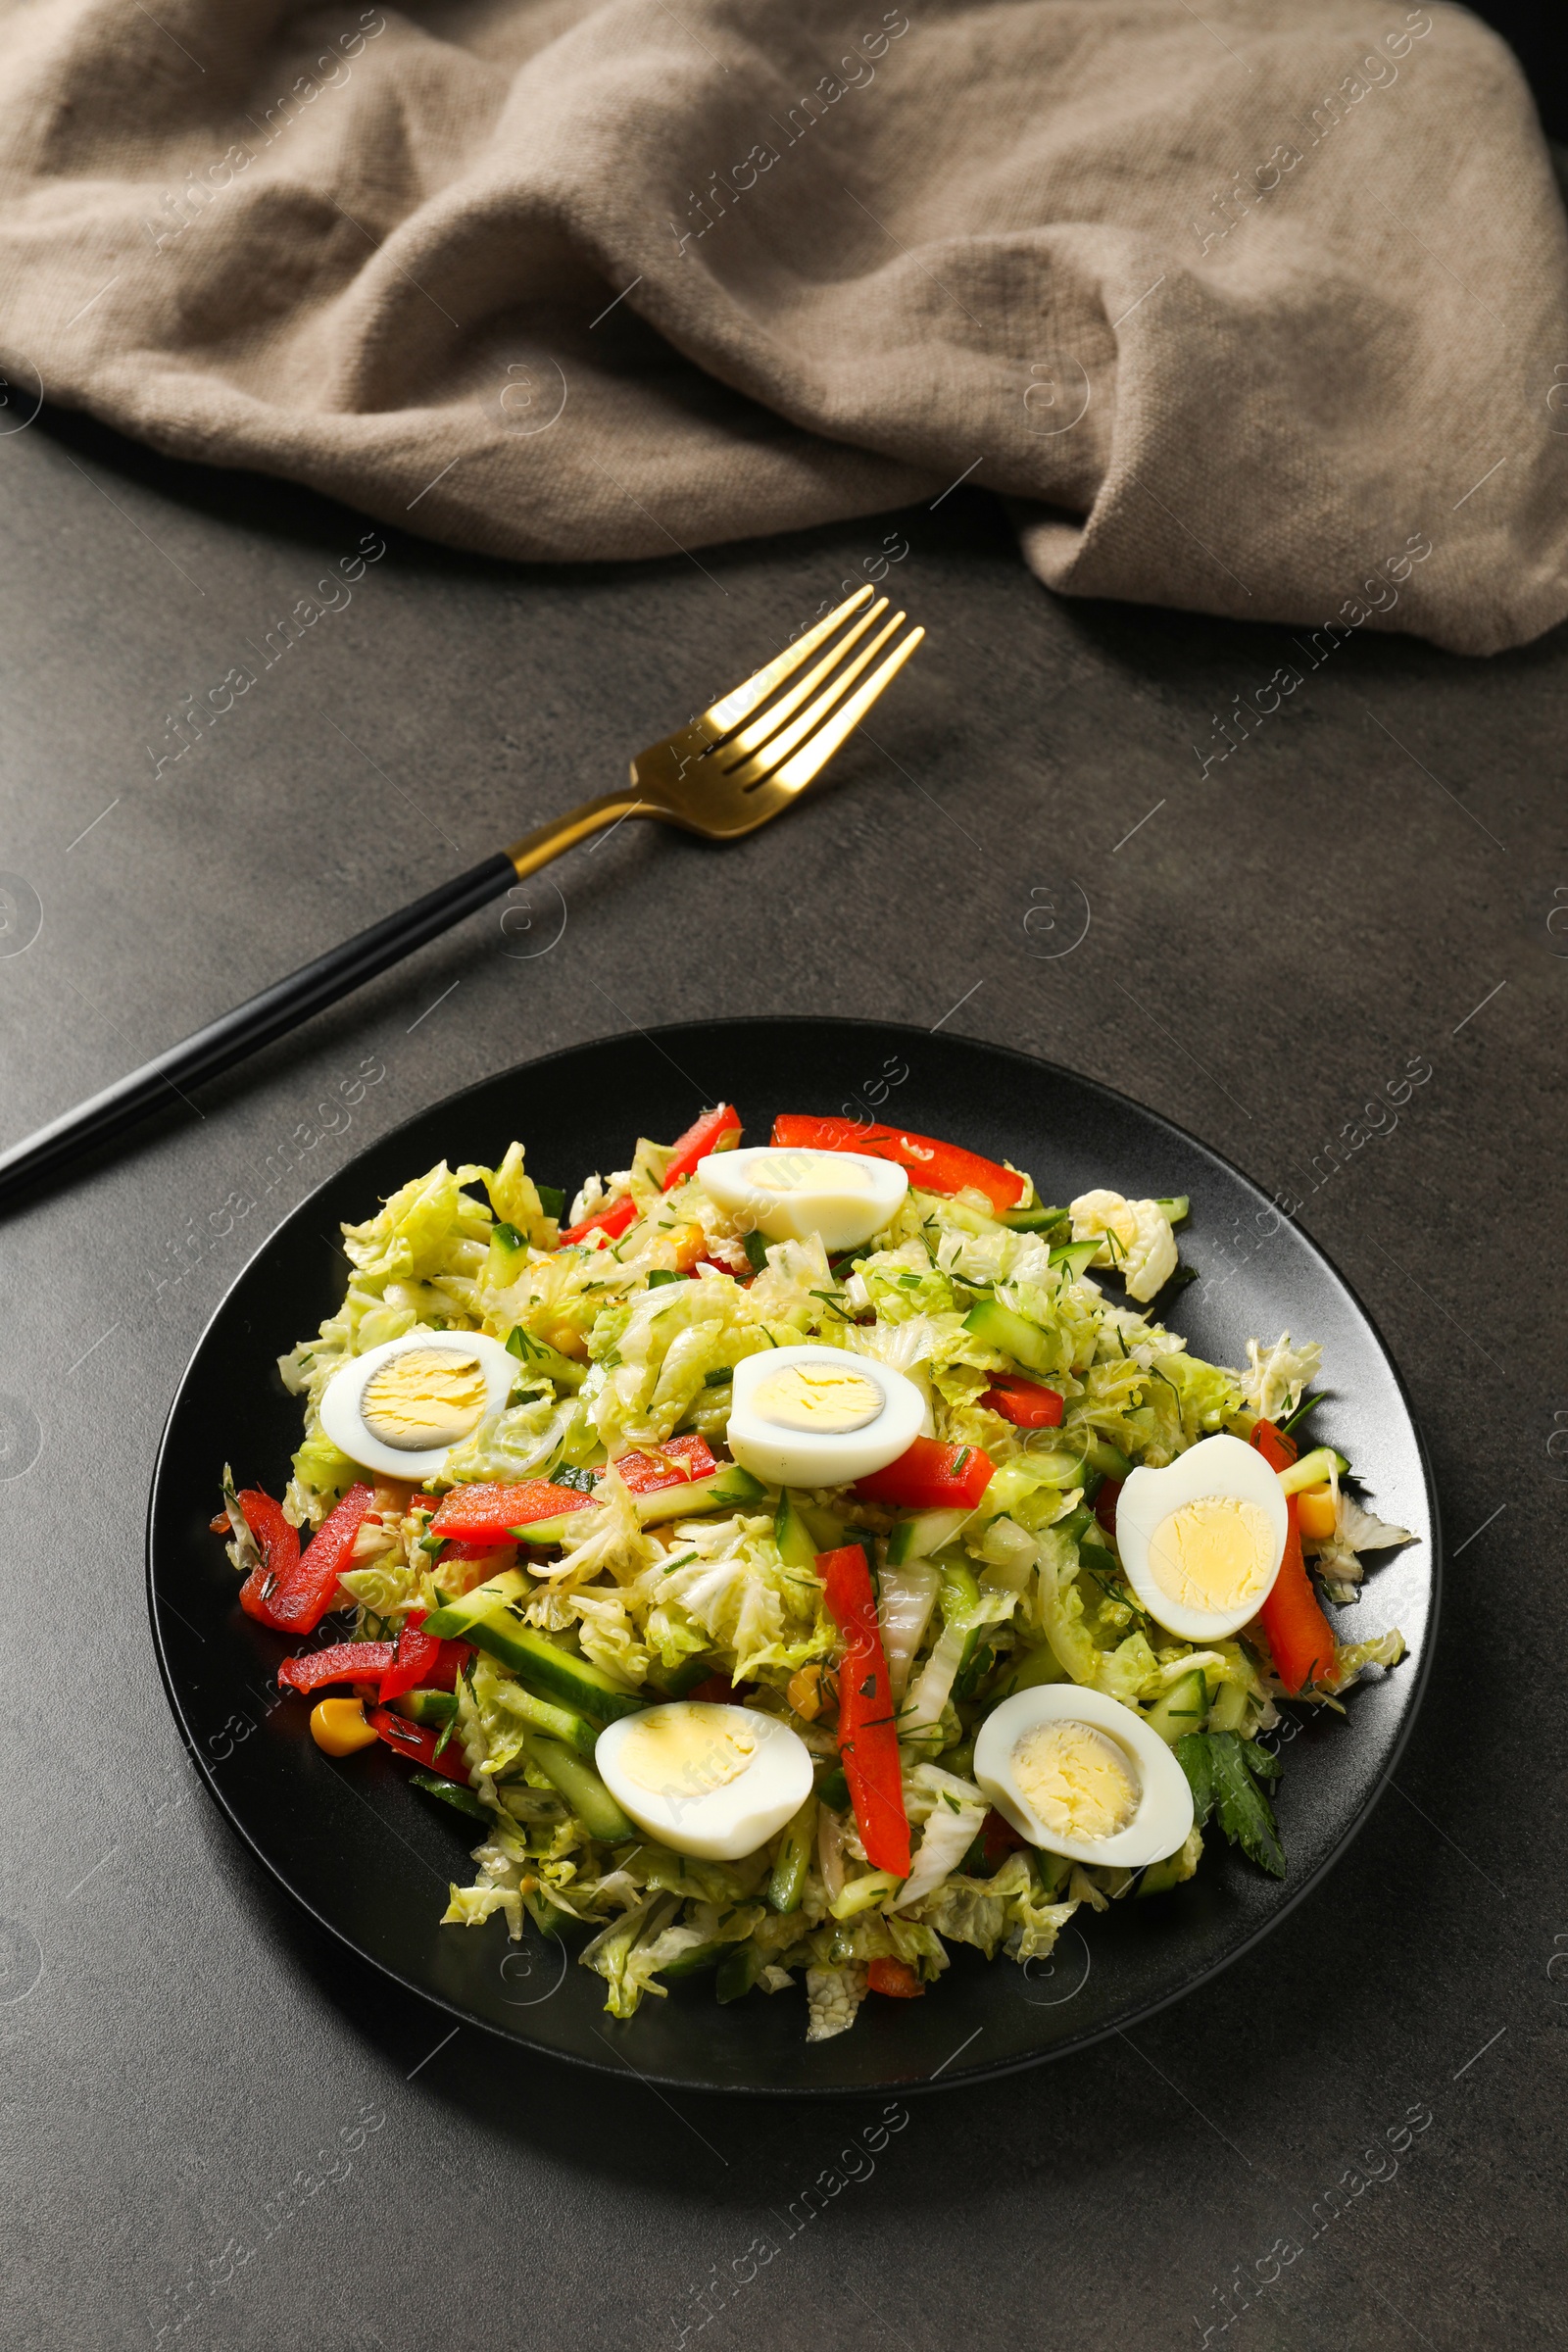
(799, 1560)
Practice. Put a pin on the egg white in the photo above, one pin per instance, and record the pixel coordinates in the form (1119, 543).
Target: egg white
(340, 1408)
(1215, 1466)
(798, 1457)
(1164, 1815)
(717, 1825)
(850, 1196)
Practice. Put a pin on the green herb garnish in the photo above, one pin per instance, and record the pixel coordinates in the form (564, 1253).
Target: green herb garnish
(1223, 1772)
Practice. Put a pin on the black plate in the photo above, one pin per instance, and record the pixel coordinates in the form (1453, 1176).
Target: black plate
(370, 1857)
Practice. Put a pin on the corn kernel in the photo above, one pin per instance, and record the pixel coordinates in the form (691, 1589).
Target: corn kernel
(1316, 1519)
(338, 1726)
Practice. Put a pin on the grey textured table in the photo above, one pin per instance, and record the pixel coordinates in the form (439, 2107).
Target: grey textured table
(1370, 877)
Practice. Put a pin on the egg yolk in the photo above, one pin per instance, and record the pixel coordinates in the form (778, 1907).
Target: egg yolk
(1215, 1554)
(425, 1397)
(1075, 1781)
(795, 1171)
(685, 1749)
(812, 1396)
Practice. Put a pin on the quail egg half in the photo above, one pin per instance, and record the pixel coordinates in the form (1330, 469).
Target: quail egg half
(712, 1781)
(1202, 1541)
(398, 1409)
(819, 1417)
(1079, 1774)
(843, 1196)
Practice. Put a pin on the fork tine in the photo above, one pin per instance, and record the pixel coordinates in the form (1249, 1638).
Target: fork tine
(777, 746)
(816, 753)
(733, 708)
(751, 739)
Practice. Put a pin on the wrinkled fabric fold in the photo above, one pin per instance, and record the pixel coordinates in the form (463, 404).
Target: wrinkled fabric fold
(1254, 313)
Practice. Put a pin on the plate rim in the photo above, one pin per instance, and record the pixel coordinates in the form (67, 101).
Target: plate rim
(613, 2064)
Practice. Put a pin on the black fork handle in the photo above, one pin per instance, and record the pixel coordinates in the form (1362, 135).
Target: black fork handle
(250, 1026)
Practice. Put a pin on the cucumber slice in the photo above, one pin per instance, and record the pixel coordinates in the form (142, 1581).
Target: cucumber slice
(542, 1715)
(491, 1617)
(427, 1706)
(739, 1971)
(827, 1533)
(537, 1355)
(729, 1488)
(1058, 1465)
(1184, 1708)
(1161, 1877)
(451, 1792)
(583, 1790)
(1173, 1207)
(1101, 1455)
(548, 1917)
(918, 1537)
(685, 1677)
(1229, 1710)
(693, 1963)
(1032, 1220)
(998, 1326)
(860, 1895)
(1052, 1873)
(542, 1532)
(962, 1213)
(508, 1255)
(1074, 1257)
(1312, 1470)
(1039, 1665)
(793, 1858)
(452, 1622)
(797, 1546)
(958, 1601)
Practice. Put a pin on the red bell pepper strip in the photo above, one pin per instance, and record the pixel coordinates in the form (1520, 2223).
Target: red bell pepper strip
(715, 1265)
(414, 1661)
(488, 1514)
(613, 1221)
(1299, 1634)
(1277, 1445)
(342, 1662)
(718, 1689)
(419, 1743)
(715, 1131)
(280, 1553)
(312, 1590)
(1025, 1403)
(453, 1661)
(675, 1463)
(469, 1564)
(931, 1476)
(936, 1167)
(869, 1738)
(293, 1590)
(998, 1840)
(894, 1977)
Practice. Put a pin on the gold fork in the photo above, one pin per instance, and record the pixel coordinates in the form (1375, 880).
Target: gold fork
(721, 778)
(731, 769)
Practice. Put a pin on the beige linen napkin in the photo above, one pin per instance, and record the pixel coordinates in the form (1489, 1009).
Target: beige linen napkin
(1256, 308)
